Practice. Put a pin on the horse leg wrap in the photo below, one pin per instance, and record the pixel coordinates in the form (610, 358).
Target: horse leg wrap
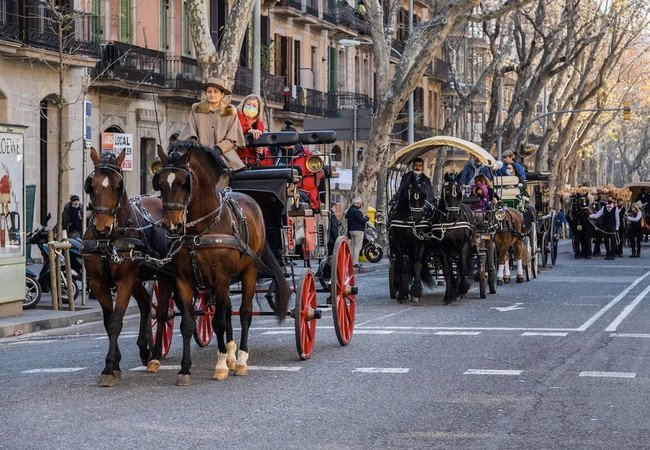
(221, 369)
(520, 268)
(500, 271)
(231, 356)
(241, 369)
(153, 366)
(506, 269)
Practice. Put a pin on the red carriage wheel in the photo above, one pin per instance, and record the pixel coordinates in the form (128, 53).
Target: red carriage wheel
(304, 315)
(203, 330)
(343, 291)
(168, 328)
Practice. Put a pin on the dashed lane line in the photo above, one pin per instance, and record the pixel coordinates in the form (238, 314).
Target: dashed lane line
(492, 372)
(537, 333)
(627, 310)
(162, 367)
(596, 374)
(276, 368)
(381, 370)
(55, 370)
(457, 333)
(631, 335)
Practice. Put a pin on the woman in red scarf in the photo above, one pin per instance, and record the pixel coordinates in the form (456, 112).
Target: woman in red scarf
(250, 112)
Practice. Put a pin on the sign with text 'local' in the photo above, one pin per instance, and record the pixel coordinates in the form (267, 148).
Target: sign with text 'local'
(115, 143)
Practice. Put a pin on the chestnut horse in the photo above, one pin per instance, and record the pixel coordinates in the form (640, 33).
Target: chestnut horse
(222, 236)
(118, 227)
(512, 231)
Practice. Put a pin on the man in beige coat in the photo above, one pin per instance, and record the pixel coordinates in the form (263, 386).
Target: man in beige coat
(214, 123)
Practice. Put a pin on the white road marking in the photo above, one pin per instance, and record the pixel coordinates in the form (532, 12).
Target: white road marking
(280, 332)
(608, 374)
(607, 307)
(508, 308)
(144, 368)
(276, 368)
(55, 370)
(492, 372)
(381, 370)
(34, 341)
(628, 309)
(373, 332)
(468, 328)
(457, 333)
(537, 333)
(385, 317)
(127, 334)
(631, 335)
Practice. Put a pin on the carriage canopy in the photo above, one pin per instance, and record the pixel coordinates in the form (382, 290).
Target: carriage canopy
(635, 188)
(408, 153)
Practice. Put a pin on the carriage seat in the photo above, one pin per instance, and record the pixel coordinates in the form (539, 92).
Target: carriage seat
(507, 187)
(273, 173)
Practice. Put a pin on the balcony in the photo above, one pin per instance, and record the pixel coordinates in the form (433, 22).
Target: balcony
(350, 100)
(39, 28)
(440, 69)
(288, 8)
(182, 73)
(311, 7)
(312, 102)
(131, 63)
(271, 86)
(347, 16)
(9, 23)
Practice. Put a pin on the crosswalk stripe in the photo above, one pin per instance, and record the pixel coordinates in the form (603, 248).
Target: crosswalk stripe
(381, 370)
(457, 333)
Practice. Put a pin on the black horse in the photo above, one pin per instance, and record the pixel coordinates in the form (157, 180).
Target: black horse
(407, 233)
(582, 229)
(455, 224)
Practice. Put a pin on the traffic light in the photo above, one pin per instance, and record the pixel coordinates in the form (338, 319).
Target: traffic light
(627, 111)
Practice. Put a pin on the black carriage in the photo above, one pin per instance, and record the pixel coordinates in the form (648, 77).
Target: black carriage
(298, 235)
(548, 231)
(483, 250)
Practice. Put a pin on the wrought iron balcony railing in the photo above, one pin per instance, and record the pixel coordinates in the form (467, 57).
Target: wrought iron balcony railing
(131, 63)
(9, 21)
(182, 73)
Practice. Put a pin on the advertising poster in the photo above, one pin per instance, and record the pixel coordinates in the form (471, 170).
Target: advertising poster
(11, 194)
(115, 143)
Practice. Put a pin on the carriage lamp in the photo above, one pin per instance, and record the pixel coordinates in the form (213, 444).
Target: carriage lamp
(379, 218)
(314, 163)
(155, 167)
(500, 215)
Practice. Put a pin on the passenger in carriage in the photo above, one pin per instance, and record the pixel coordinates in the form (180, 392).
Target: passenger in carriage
(251, 112)
(472, 168)
(297, 156)
(517, 169)
(213, 123)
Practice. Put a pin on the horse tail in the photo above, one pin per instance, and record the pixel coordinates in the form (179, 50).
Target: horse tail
(426, 276)
(282, 291)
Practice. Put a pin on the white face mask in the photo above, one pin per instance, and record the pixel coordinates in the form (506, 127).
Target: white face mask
(417, 173)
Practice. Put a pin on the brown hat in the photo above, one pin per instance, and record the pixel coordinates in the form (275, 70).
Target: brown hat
(507, 153)
(216, 82)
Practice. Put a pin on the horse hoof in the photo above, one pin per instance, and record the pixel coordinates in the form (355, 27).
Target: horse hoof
(231, 357)
(117, 374)
(231, 362)
(241, 370)
(220, 374)
(415, 299)
(106, 380)
(153, 366)
(506, 280)
(499, 282)
(183, 379)
(520, 279)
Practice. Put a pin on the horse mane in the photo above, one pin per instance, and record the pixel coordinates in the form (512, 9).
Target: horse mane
(178, 149)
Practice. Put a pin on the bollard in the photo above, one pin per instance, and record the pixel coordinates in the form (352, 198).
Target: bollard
(68, 265)
(53, 272)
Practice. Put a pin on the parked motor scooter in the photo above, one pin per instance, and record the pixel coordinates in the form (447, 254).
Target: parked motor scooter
(33, 289)
(39, 238)
(371, 248)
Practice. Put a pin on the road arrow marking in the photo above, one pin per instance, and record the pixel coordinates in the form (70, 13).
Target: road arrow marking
(508, 308)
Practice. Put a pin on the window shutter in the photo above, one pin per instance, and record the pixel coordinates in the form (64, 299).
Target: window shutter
(125, 20)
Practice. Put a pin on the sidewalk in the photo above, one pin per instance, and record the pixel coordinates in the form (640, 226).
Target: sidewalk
(44, 318)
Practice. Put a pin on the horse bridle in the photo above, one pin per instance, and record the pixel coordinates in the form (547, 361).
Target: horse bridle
(111, 212)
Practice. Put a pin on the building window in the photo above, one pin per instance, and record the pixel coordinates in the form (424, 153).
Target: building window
(164, 45)
(125, 20)
(187, 38)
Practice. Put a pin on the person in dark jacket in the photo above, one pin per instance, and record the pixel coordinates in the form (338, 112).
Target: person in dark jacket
(356, 227)
(634, 220)
(335, 228)
(72, 217)
(610, 226)
(620, 207)
(418, 175)
(472, 168)
(509, 159)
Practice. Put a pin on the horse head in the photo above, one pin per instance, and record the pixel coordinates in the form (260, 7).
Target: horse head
(452, 195)
(105, 186)
(417, 197)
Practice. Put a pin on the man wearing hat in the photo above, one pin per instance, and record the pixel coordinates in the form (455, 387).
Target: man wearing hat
(508, 157)
(635, 233)
(214, 123)
(72, 217)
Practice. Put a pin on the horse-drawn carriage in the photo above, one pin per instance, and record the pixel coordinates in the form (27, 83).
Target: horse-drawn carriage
(444, 236)
(548, 232)
(225, 228)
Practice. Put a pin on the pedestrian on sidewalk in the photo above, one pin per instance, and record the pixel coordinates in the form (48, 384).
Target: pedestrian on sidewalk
(356, 227)
(72, 217)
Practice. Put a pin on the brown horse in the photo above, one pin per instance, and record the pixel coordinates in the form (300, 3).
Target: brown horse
(118, 228)
(511, 234)
(222, 237)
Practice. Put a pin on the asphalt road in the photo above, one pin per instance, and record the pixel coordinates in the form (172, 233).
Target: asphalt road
(558, 362)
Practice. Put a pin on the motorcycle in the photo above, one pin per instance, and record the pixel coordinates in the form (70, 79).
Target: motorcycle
(371, 249)
(39, 238)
